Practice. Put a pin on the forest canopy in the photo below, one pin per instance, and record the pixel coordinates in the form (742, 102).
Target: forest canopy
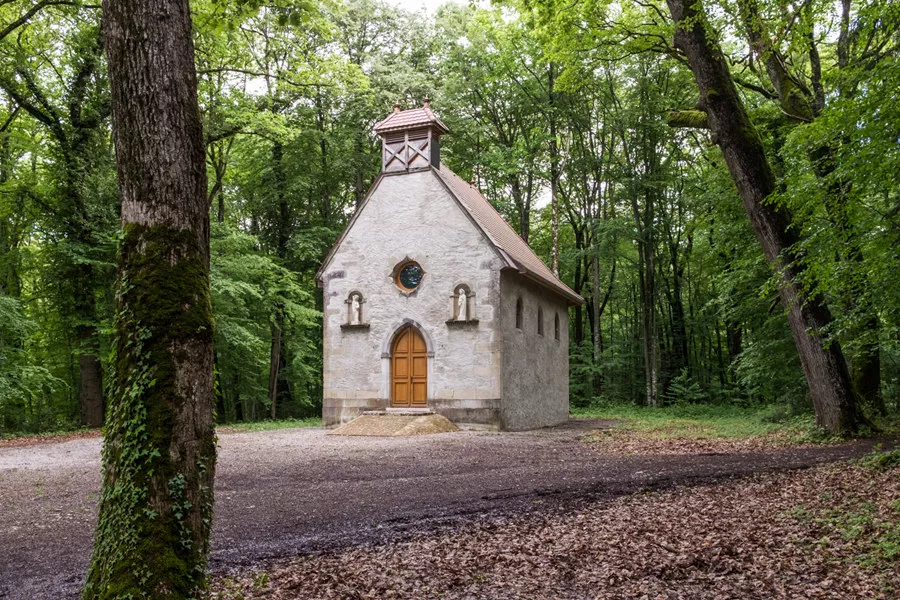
(582, 122)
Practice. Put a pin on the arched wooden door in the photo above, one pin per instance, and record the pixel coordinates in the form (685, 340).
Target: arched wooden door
(409, 369)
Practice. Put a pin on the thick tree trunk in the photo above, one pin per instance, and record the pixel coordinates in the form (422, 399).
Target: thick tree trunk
(824, 364)
(798, 102)
(159, 454)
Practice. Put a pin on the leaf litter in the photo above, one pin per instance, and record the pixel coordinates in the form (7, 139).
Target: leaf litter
(827, 532)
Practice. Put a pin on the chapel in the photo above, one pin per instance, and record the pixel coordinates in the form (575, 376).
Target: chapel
(433, 302)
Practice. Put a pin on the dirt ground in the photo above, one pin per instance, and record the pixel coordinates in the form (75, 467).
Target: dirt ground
(283, 493)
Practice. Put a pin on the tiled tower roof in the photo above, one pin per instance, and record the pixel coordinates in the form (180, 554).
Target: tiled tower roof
(410, 119)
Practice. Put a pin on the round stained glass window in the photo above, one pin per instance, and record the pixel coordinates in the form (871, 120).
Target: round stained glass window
(409, 276)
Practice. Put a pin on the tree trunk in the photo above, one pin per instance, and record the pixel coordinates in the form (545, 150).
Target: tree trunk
(523, 207)
(578, 318)
(282, 240)
(90, 390)
(651, 343)
(323, 160)
(646, 247)
(275, 362)
(595, 316)
(795, 99)
(90, 371)
(823, 364)
(554, 173)
(733, 339)
(159, 456)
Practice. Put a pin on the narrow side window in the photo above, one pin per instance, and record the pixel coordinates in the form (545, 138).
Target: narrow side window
(540, 321)
(556, 327)
(519, 313)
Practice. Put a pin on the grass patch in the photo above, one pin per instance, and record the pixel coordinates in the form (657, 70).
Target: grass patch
(881, 461)
(862, 519)
(876, 535)
(697, 422)
(14, 435)
(270, 425)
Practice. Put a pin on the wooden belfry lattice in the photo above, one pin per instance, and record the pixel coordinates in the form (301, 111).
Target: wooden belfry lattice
(411, 139)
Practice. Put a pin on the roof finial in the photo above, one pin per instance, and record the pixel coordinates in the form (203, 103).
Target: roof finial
(427, 102)
(396, 107)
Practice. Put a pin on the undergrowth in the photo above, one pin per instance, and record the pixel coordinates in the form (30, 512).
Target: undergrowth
(724, 421)
(270, 425)
(703, 421)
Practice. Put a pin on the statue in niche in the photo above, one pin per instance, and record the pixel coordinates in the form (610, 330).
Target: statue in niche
(461, 307)
(355, 310)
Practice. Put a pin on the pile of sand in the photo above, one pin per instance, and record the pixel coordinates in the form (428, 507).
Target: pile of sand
(386, 425)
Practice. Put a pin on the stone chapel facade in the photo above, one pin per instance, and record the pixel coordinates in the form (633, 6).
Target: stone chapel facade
(432, 301)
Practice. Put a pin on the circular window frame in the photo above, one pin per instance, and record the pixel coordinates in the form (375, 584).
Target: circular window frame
(399, 269)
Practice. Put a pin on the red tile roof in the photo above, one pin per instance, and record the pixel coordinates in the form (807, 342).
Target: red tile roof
(516, 250)
(410, 119)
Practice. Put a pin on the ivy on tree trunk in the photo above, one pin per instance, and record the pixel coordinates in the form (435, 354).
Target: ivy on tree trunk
(159, 454)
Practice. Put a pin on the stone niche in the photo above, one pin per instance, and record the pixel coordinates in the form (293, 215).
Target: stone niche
(355, 317)
(462, 306)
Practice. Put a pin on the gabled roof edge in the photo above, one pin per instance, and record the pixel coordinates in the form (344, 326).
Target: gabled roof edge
(337, 243)
(504, 256)
(557, 286)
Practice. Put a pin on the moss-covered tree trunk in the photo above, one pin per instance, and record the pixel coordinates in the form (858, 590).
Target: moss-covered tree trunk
(823, 364)
(159, 456)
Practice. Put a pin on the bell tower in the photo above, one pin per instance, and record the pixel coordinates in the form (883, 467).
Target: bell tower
(410, 139)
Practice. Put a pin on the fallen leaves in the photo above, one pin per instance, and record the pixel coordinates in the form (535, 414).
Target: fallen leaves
(636, 442)
(48, 438)
(789, 535)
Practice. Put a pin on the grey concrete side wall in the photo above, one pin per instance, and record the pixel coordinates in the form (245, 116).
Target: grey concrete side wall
(535, 366)
(412, 216)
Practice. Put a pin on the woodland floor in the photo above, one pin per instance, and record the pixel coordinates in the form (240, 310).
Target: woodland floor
(482, 515)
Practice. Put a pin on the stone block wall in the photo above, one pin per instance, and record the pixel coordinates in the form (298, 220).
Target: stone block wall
(535, 365)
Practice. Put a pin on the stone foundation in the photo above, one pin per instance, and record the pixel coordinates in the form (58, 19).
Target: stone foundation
(479, 413)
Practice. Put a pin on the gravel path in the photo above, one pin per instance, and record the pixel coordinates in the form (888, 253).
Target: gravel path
(280, 493)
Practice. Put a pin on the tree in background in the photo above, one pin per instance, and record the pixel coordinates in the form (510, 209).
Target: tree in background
(64, 90)
(646, 222)
(159, 451)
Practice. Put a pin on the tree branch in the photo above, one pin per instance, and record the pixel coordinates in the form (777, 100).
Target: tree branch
(694, 119)
(30, 13)
(10, 119)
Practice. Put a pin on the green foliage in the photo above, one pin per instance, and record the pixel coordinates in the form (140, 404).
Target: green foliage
(289, 92)
(684, 390)
(26, 390)
(881, 460)
(247, 285)
(271, 425)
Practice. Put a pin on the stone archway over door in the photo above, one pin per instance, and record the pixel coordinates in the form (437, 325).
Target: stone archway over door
(409, 369)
